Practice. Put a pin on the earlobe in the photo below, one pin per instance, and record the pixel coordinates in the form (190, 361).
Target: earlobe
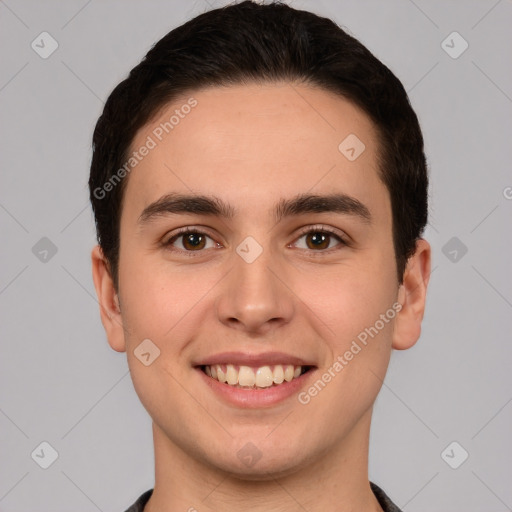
(110, 311)
(412, 296)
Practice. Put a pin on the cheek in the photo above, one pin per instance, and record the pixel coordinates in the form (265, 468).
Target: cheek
(351, 302)
(360, 315)
(161, 301)
(348, 298)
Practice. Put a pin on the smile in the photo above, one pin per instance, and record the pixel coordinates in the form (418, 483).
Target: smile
(249, 377)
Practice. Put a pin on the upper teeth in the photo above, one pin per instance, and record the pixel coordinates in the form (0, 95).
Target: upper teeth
(262, 377)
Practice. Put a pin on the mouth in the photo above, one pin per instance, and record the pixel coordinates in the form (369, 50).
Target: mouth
(251, 380)
(254, 377)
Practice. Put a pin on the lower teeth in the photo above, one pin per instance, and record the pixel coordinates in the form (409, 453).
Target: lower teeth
(251, 387)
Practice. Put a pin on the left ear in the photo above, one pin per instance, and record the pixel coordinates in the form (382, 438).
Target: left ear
(412, 296)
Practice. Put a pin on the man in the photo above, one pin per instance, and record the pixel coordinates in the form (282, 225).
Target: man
(260, 191)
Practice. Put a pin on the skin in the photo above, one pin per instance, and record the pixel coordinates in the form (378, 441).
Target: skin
(252, 145)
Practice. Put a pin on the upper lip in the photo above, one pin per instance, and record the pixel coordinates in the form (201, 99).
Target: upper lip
(255, 360)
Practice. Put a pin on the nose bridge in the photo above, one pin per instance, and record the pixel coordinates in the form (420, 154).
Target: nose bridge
(253, 297)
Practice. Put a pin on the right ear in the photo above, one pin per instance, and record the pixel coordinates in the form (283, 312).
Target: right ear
(110, 311)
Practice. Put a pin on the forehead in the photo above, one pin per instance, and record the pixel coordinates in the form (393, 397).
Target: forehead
(251, 144)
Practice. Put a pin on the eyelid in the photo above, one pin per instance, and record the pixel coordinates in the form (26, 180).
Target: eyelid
(322, 228)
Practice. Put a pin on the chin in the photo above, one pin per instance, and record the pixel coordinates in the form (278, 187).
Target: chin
(262, 472)
(253, 464)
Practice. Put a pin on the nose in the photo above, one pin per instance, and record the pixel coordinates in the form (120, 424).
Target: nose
(254, 297)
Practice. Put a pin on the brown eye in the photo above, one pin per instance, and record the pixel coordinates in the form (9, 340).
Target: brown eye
(191, 241)
(320, 239)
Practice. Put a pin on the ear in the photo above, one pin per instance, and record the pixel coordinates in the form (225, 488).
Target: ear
(412, 296)
(109, 302)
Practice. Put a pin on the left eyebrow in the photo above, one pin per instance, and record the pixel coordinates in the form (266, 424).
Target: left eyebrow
(175, 203)
(311, 203)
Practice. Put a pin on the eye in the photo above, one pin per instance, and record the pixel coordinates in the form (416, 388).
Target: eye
(319, 238)
(190, 240)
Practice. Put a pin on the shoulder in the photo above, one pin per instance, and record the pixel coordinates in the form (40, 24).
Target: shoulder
(383, 499)
(138, 506)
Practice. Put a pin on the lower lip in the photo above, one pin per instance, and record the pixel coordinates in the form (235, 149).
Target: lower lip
(256, 398)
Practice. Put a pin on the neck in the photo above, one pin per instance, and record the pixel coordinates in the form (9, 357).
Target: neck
(336, 481)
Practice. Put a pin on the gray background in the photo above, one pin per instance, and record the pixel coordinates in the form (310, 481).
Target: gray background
(61, 383)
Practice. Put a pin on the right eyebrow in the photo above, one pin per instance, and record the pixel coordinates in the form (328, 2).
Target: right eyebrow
(181, 203)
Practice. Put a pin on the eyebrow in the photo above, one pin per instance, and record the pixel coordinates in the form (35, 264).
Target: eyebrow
(175, 203)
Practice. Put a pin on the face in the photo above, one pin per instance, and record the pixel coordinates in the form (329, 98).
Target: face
(302, 292)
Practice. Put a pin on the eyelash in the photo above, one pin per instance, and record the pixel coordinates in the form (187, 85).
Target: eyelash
(314, 229)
